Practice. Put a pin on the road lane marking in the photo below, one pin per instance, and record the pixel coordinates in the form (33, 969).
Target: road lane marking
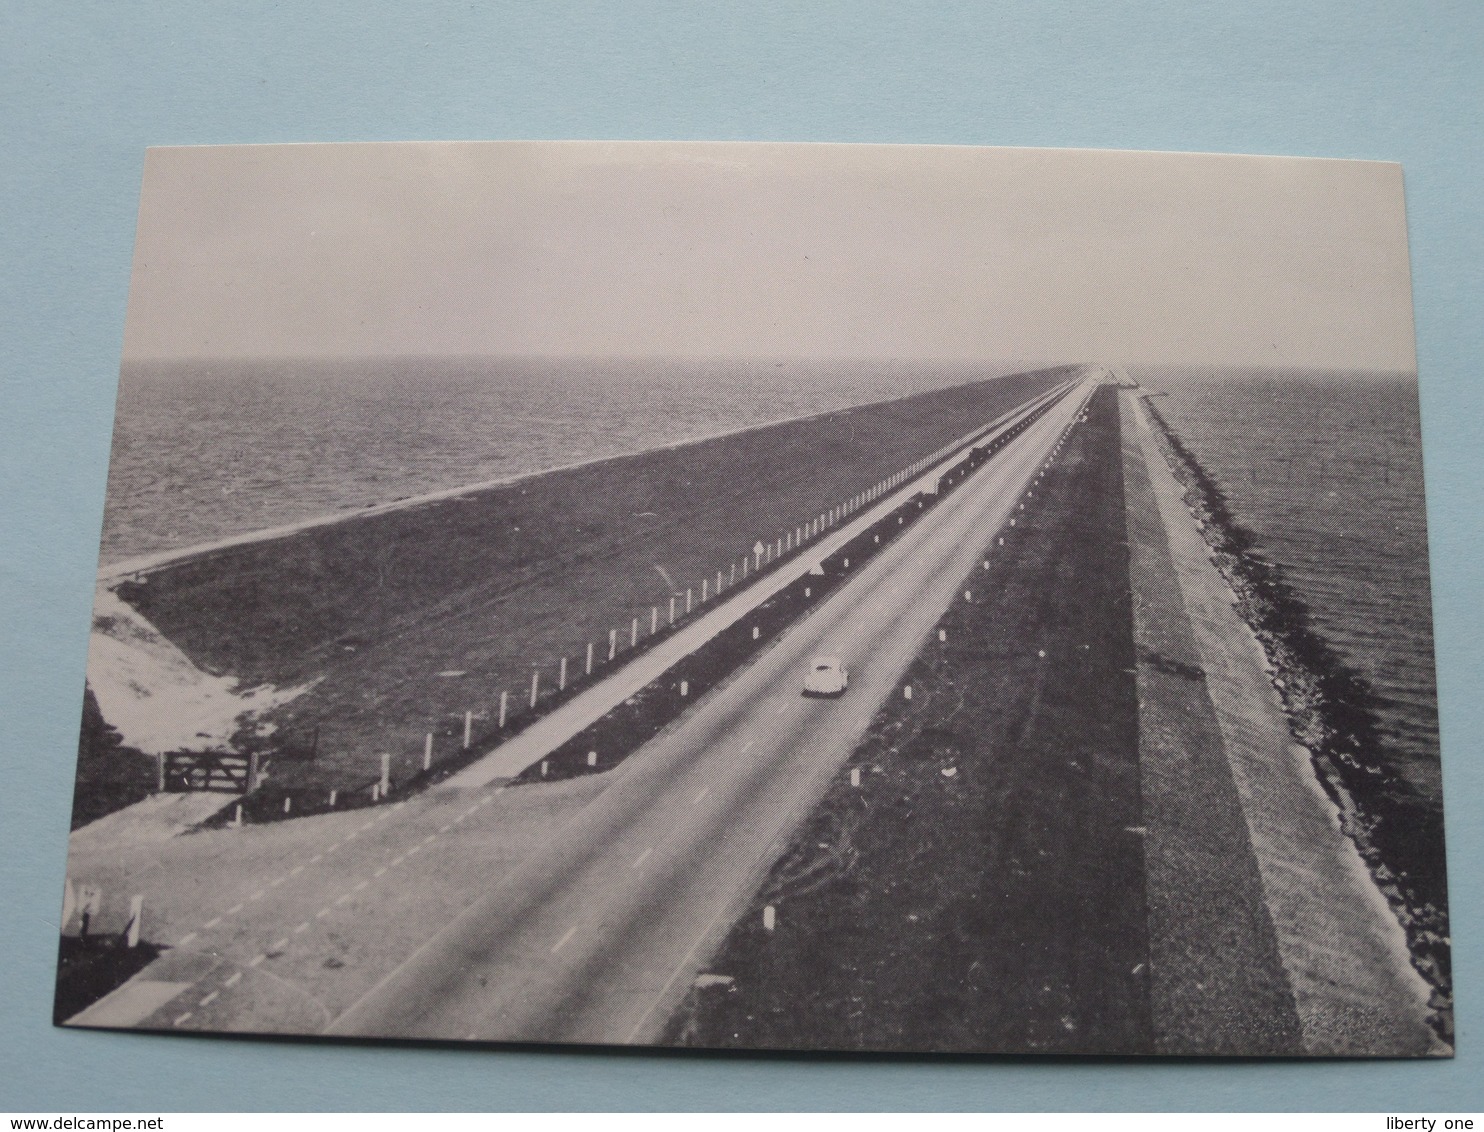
(782, 709)
(315, 858)
(182, 1019)
(258, 895)
(342, 898)
(296, 870)
(428, 838)
(280, 945)
(185, 939)
(704, 791)
(233, 910)
(322, 913)
(747, 746)
(360, 886)
(209, 999)
(256, 959)
(332, 848)
(211, 923)
(444, 828)
(234, 980)
(563, 941)
(640, 860)
(380, 871)
(302, 928)
(352, 835)
(415, 849)
(398, 860)
(276, 881)
(370, 823)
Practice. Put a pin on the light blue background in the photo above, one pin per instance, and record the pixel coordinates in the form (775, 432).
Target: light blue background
(85, 87)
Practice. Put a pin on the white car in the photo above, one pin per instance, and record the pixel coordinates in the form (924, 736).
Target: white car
(827, 677)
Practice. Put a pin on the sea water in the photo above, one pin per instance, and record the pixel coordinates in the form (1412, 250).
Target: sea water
(205, 450)
(1325, 471)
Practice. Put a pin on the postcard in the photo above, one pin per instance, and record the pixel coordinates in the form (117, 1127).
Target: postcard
(908, 599)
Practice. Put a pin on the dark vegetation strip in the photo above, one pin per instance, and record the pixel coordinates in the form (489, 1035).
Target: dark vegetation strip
(485, 587)
(623, 730)
(1331, 712)
(982, 889)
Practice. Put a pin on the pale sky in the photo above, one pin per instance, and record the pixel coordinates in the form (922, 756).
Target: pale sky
(809, 251)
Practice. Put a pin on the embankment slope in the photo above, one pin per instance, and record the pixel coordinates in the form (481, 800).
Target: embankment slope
(409, 617)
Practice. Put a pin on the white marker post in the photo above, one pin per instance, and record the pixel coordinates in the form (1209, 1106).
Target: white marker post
(654, 619)
(907, 692)
(505, 696)
(535, 685)
(633, 632)
(770, 918)
(589, 658)
(333, 795)
(469, 719)
(855, 776)
(687, 598)
(684, 688)
(386, 775)
(733, 580)
(136, 916)
(942, 634)
(288, 803)
(592, 758)
(757, 554)
(612, 643)
(427, 750)
(672, 609)
(561, 687)
(705, 589)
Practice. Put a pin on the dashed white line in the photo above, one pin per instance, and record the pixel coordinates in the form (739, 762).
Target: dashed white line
(302, 928)
(234, 980)
(360, 886)
(444, 828)
(182, 1019)
(185, 939)
(280, 944)
(704, 791)
(428, 838)
(258, 895)
(370, 823)
(342, 898)
(332, 848)
(747, 746)
(233, 910)
(211, 923)
(296, 870)
(415, 849)
(380, 872)
(276, 881)
(640, 859)
(209, 999)
(322, 913)
(782, 709)
(563, 941)
(256, 959)
(395, 861)
(315, 858)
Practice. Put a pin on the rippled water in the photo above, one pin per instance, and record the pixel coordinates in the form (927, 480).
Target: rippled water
(206, 450)
(1325, 470)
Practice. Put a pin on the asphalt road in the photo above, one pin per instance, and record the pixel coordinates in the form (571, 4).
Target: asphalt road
(596, 937)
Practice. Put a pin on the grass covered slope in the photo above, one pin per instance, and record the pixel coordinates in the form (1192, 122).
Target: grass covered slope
(982, 890)
(410, 617)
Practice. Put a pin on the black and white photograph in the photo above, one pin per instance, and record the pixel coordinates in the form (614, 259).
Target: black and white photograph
(794, 597)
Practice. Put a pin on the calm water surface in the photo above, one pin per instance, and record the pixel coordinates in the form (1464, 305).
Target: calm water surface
(1325, 470)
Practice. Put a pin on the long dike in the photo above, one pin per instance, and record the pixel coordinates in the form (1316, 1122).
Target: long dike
(1090, 831)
